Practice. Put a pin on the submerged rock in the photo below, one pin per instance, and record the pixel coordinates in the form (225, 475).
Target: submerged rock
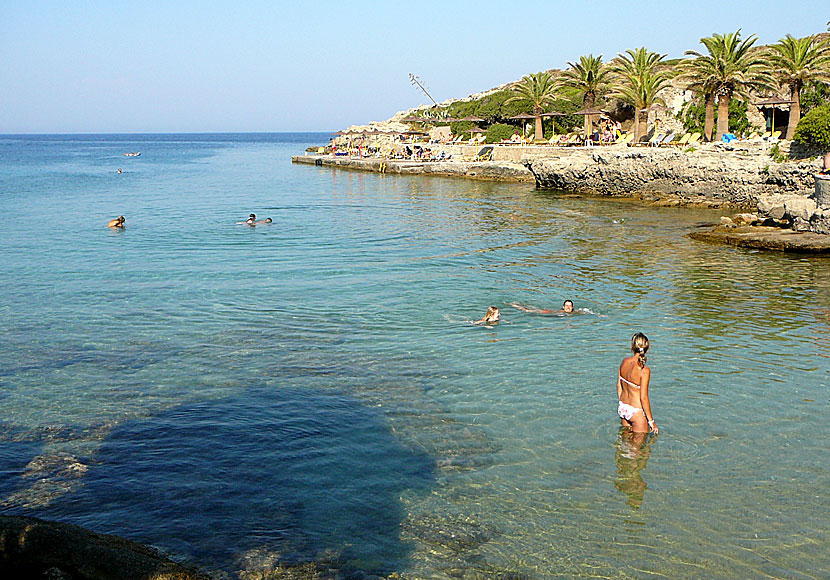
(34, 548)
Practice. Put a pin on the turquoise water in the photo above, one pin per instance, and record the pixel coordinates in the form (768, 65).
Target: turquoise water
(313, 389)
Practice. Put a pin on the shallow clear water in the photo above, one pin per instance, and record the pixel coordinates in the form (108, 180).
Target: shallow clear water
(314, 388)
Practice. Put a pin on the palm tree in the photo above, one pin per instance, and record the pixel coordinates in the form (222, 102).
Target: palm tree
(591, 77)
(737, 69)
(796, 62)
(640, 81)
(700, 75)
(538, 90)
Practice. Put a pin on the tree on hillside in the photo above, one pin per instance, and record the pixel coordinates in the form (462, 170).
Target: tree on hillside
(539, 91)
(591, 77)
(796, 62)
(639, 83)
(737, 69)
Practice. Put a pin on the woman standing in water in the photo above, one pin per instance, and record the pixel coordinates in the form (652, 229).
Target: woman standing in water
(632, 388)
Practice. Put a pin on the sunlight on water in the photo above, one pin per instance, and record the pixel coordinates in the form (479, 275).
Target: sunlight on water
(315, 387)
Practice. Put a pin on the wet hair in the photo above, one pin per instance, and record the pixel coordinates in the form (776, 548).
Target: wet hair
(121, 218)
(252, 216)
(639, 345)
(268, 220)
(566, 302)
(491, 310)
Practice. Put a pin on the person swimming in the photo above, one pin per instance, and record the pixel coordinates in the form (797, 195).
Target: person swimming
(116, 223)
(265, 221)
(492, 316)
(251, 219)
(567, 308)
(634, 407)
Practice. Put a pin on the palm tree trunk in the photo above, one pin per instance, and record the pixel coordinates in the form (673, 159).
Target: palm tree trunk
(539, 135)
(795, 111)
(636, 124)
(709, 123)
(723, 115)
(588, 103)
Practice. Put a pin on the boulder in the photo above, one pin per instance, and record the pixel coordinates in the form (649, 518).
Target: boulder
(800, 208)
(34, 548)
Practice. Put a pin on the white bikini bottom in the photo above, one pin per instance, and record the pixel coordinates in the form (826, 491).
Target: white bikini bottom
(628, 411)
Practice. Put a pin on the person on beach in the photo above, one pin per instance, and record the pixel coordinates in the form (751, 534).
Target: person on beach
(490, 317)
(567, 308)
(116, 223)
(826, 168)
(634, 406)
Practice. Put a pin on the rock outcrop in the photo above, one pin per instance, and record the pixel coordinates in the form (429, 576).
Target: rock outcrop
(741, 174)
(34, 548)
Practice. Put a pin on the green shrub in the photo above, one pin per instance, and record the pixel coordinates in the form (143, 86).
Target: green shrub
(814, 95)
(498, 131)
(775, 153)
(814, 127)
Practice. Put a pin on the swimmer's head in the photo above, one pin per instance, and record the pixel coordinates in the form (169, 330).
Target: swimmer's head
(639, 346)
(568, 306)
(252, 216)
(268, 220)
(121, 219)
(492, 314)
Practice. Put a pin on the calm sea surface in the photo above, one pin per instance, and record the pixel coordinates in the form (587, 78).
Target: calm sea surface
(314, 388)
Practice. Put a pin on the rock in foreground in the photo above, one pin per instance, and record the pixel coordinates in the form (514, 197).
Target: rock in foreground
(33, 548)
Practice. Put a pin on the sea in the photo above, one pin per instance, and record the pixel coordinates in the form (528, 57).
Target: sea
(314, 390)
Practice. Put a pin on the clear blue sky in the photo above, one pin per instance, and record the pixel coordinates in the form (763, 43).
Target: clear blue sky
(186, 66)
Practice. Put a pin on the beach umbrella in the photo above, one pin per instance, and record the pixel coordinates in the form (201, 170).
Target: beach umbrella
(523, 117)
(473, 119)
(772, 102)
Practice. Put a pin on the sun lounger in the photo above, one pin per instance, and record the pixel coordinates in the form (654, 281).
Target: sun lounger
(656, 139)
(765, 135)
(754, 136)
(667, 141)
(775, 136)
(486, 154)
(683, 140)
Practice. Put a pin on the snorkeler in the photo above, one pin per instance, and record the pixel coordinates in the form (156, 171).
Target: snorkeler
(116, 223)
(567, 308)
(490, 317)
(634, 406)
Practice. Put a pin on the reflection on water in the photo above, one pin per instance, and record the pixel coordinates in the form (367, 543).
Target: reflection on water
(631, 455)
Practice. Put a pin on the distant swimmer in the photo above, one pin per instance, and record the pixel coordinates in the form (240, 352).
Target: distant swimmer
(251, 220)
(119, 170)
(567, 308)
(265, 221)
(634, 407)
(490, 317)
(116, 223)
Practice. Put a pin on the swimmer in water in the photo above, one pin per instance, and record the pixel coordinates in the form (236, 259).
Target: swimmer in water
(490, 317)
(265, 221)
(116, 223)
(634, 406)
(567, 308)
(251, 220)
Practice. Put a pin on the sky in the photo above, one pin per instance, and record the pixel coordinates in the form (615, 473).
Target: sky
(257, 66)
